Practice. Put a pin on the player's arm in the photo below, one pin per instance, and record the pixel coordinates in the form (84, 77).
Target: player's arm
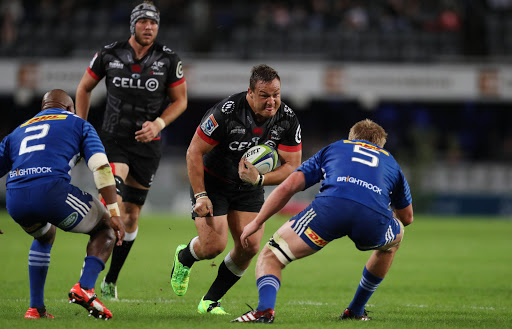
(179, 101)
(276, 201)
(5, 162)
(83, 95)
(289, 162)
(105, 183)
(405, 215)
(195, 168)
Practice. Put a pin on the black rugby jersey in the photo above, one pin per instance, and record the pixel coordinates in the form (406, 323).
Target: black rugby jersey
(136, 89)
(231, 126)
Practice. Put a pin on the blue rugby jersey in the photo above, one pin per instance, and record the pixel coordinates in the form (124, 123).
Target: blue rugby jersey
(47, 146)
(359, 171)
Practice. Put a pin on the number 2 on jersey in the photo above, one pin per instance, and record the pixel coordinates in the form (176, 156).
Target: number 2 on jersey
(374, 160)
(38, 147)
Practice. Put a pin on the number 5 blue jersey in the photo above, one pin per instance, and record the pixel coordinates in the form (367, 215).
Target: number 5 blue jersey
(359, 171)
(46, 147)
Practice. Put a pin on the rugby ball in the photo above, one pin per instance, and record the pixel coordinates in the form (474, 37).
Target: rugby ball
(263, 157)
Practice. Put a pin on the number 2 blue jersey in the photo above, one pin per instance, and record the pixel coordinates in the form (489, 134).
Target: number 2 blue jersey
(46, 147)
(359, 171)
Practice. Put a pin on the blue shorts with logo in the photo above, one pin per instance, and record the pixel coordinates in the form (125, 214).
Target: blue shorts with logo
(329, 218)
(56, 202)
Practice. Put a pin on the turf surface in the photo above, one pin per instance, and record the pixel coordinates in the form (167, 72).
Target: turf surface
(448, 273)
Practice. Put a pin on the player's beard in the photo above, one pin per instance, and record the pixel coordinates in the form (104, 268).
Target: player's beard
(142, 41)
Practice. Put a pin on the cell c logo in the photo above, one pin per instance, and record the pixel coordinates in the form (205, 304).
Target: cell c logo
(179, 70)
(152, 84)
(298, 137)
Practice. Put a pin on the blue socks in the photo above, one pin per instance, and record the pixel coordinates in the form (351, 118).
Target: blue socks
(367, 286)
(38, 263)
(92, 268)
(268, 285)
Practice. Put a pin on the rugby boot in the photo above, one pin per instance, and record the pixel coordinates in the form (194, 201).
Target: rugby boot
(349, 315)
(210, 306)
(38, 313)
(266, 316)
(108, 290)
(88, 300)
(180, 274)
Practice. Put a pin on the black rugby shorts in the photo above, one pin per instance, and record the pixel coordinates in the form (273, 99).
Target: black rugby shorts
(142, 158)
(227, 196)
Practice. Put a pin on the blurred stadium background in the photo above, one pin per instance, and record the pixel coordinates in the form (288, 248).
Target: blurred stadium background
(437, 75)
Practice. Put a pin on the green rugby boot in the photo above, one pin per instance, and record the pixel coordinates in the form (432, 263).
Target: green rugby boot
(108, 290)
(180, 274)
(209, 306)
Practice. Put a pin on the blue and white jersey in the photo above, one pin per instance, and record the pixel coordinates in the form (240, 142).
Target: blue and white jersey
(358, 171)
(46, 147)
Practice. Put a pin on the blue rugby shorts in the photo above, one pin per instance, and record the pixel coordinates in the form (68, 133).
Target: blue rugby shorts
(330, 218)
(56, 202)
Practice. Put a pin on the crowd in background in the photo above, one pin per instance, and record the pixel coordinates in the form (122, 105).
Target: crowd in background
(462, 131)
(220, 28)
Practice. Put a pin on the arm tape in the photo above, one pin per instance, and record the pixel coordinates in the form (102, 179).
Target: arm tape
(103, 177)
(113, 209)
(97, 160)
(160, 122)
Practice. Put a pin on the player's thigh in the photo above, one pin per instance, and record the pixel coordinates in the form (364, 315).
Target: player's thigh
(121, 170)
(237, 220)
(212, 231)
(144, 161)
(298, 247)
(283, 247)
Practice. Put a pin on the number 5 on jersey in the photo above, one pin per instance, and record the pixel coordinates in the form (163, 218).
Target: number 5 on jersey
(372, 162)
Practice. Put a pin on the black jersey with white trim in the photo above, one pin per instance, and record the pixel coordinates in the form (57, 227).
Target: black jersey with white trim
(137, 90)
(231, 126)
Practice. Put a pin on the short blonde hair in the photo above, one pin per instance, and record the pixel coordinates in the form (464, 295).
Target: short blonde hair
(369, 131)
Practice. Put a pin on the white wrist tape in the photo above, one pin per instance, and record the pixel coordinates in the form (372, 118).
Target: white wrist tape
(160, 122)
(113, 209)
(260, 180)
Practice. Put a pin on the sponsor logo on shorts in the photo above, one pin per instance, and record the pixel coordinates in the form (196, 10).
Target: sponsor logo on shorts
(69, 221)
(45, 118)
(29, 171)
(361, 183)
(315, 238)
(209, 125)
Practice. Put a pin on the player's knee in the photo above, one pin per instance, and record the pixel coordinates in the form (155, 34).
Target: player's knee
(48, 237)
(279, 247)
(103, 230)
(134, 195)
(212, 250)
(212, 253)
(251, 251)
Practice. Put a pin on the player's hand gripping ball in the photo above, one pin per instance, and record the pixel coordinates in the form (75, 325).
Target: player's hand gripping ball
(263, 157)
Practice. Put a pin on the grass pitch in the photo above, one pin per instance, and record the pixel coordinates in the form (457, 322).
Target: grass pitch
(448, 273)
